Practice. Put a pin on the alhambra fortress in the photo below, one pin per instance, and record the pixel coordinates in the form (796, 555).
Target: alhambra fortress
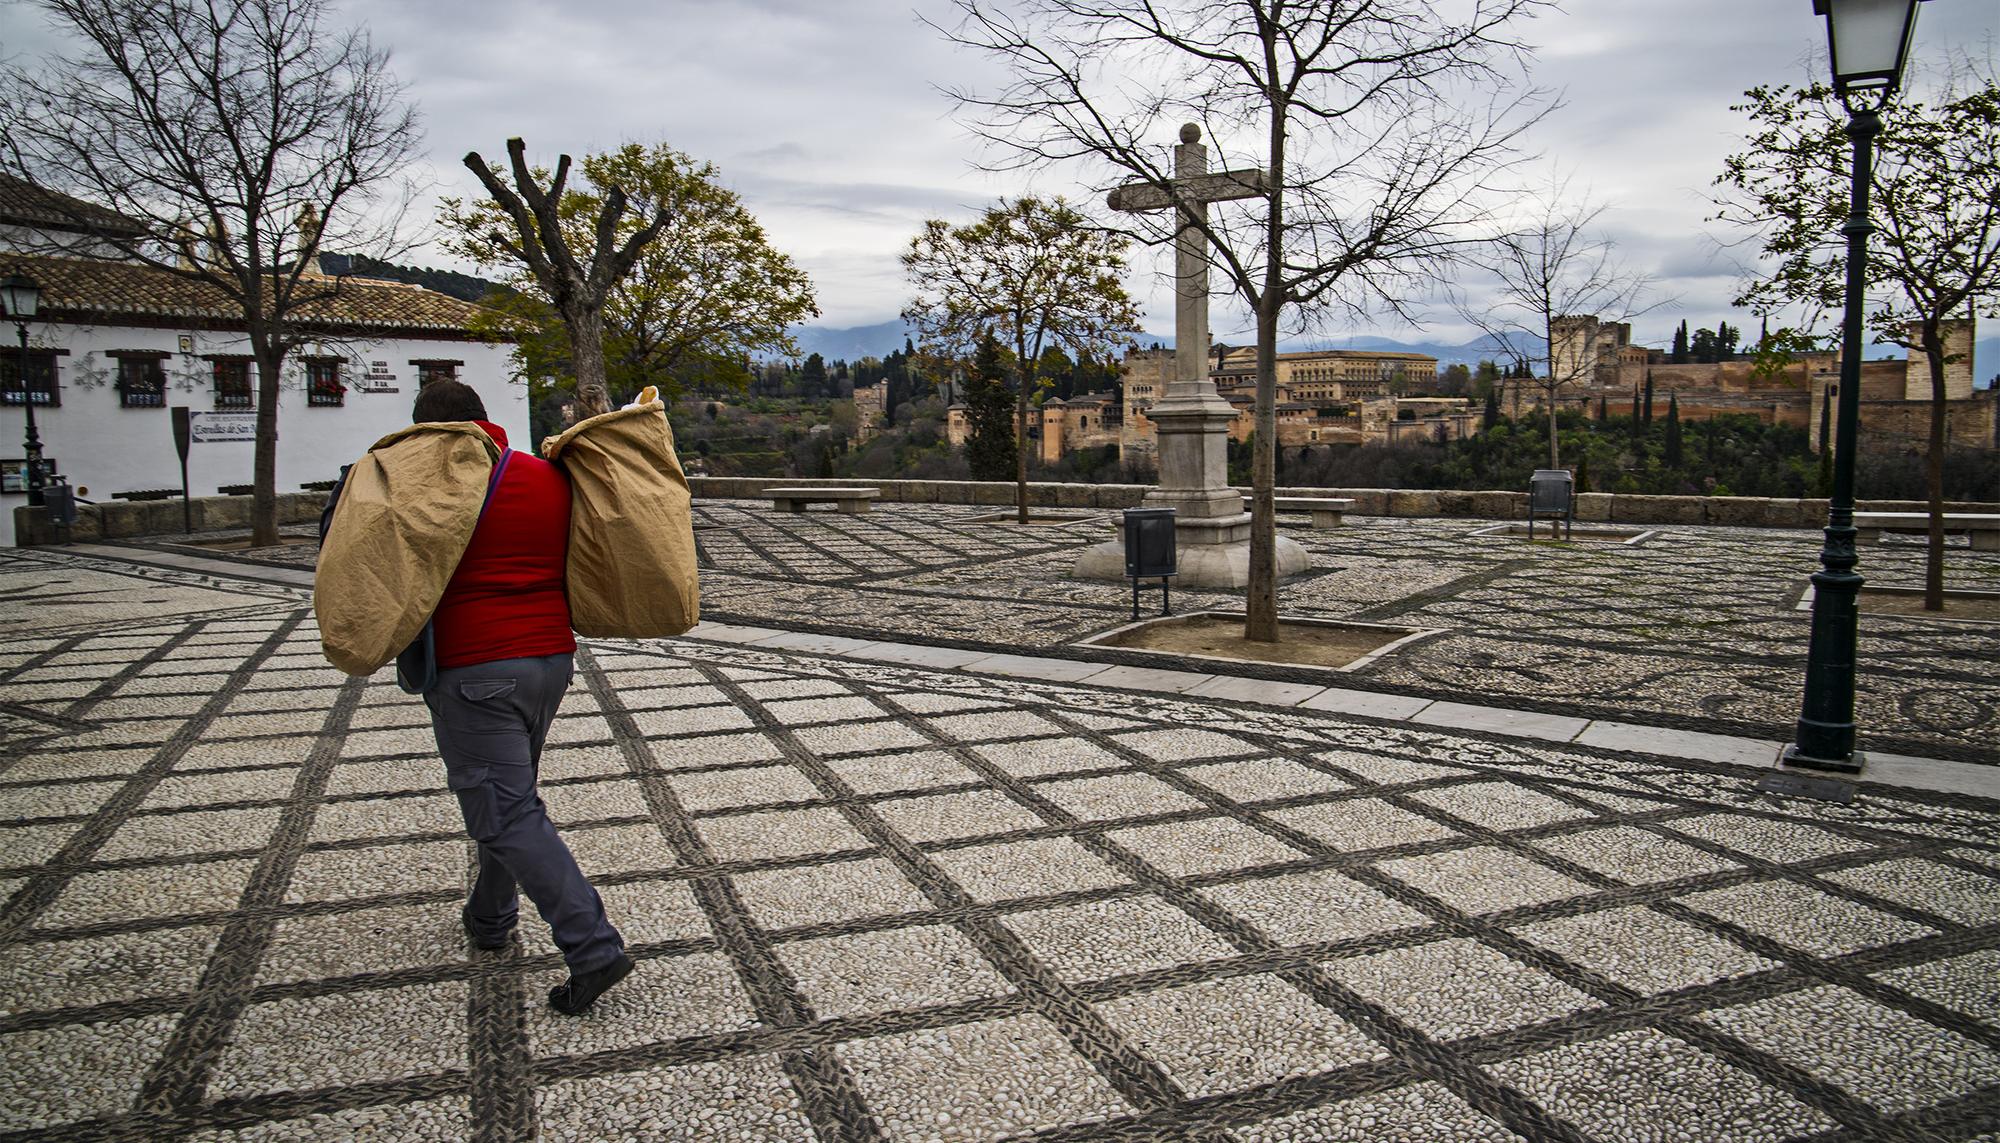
(1349, 397)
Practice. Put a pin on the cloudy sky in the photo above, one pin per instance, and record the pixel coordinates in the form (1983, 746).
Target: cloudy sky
(826, 115)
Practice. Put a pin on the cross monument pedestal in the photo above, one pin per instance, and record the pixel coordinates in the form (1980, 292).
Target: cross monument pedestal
(1211, 529)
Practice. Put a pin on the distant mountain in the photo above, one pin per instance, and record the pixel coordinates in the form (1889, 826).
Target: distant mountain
(464, 287)
(851, 343)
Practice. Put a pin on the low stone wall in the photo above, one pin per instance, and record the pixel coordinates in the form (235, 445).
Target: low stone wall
(1594, 507)
(116, 519)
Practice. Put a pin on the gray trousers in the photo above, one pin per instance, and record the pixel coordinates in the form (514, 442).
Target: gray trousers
(491, 720)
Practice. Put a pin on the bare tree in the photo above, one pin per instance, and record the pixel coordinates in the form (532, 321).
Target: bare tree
(1554, 264)
(243, 135)
(1374, 122)
(578, 287)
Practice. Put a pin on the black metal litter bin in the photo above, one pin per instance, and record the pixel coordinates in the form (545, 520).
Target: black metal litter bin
(1551, 493)
(1150, 551)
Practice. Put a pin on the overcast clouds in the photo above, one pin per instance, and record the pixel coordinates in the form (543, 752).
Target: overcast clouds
(826, 117)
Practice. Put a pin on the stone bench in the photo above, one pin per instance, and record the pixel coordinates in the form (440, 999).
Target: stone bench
(1982, 528)
(852, 501)
(1325, 510)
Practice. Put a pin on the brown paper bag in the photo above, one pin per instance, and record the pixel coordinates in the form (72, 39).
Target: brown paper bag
(631, 529)
(404, 518)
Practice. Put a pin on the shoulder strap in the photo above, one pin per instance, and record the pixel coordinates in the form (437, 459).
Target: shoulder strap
(493, 481)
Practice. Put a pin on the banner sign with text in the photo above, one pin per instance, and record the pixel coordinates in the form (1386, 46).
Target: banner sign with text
(205, 427)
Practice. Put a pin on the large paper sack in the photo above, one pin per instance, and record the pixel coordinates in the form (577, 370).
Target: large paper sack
(631, 526)
(405, 516)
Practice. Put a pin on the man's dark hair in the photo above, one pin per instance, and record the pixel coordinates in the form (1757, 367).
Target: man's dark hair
(448, 401)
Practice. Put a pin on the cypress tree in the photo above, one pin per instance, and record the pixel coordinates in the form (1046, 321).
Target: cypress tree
(1671, 453)
(989, 449)
(1649, 397)
(1679, 355)
(1492, 407)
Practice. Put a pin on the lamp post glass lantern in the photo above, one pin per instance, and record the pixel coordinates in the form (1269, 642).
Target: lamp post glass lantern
(1869, 41)
(22, 300)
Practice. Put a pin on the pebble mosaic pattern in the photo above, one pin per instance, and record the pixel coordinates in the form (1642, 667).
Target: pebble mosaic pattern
(1695, 625)
(877, 902)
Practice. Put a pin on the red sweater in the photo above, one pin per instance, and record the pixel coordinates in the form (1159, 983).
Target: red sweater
(506, 599)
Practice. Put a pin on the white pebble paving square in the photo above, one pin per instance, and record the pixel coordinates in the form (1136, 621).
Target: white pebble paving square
(742, 786)
(1418, 1113)
(1038, 756)
(919, 967)
(1205, 845)
(188, 833)
(978, 1081)
(947, 817)
(353, 1037)
(1969, 983)
(665, 998)
(1500, 805)
(1773, 840)
(1483, 879)
(73, 1071)
(1933, 886)
(1632, 855)
(1360, 823)
(888, 773)
(1226, 1035)
(150, 891)
(1018, 869)
(104, 969)
(1318, 905)
(1643, 1084)
(821, 894)
(1263, 779)
(1805, 918)
(376, 870)
(780, 833)
(1456, 988)
(745, 1097)
(1113, 796)
(1886, 1057)
(1094, 940)
(1643, 950)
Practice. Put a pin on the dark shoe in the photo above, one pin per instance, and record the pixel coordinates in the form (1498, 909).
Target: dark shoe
(583, 989)
(483, 942)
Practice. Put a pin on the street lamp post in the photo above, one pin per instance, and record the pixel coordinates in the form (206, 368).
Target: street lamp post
(1869, 40)
(20, 298)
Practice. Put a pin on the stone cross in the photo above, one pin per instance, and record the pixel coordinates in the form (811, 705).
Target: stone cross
(1196, 188)
(1211, 529)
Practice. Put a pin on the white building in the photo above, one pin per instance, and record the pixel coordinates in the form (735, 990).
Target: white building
(117, 343)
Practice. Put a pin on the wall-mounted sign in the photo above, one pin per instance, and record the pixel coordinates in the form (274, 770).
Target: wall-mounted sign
(378, 379)
(210, 427)
(14, 473)
(187, 343)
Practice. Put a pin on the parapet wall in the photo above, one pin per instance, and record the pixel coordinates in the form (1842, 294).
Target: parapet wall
(1740, 511)
(118, 519)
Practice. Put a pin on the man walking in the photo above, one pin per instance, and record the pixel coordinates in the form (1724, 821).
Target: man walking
(504, 655)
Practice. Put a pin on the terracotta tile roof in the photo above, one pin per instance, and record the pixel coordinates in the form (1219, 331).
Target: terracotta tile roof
(23, 203)
(84, 288)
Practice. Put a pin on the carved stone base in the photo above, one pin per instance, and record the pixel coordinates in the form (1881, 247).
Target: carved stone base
(1212, 565)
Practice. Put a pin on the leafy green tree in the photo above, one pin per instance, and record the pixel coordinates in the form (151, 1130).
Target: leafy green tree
(700, 296)
(1033, 272)
(812, 377)
(1935, 205)
(990, 446)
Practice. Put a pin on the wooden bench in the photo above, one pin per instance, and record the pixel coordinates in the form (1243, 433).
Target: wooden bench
(1325, 510)
(852, 501)
(1982, 528)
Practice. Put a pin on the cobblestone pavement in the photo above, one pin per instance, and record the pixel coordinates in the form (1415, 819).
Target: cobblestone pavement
(876, 901)
(1693, 627)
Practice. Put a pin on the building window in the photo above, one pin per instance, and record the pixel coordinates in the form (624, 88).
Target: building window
(323, 387)
(41, 387)
(429, 371)
(142, 380)
(232, 384)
